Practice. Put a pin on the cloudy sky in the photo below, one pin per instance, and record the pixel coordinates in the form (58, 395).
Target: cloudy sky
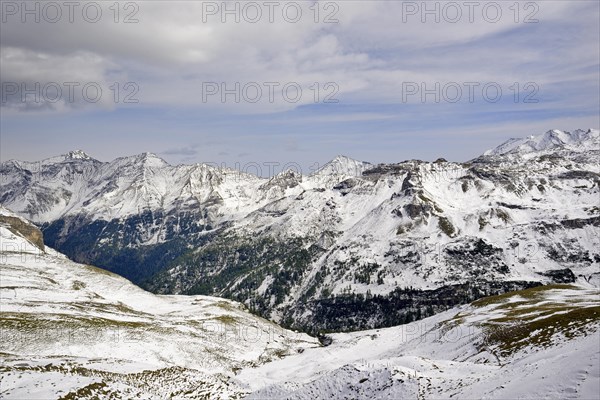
(301, 82)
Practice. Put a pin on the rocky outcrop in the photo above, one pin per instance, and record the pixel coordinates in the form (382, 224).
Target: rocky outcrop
(22, 228)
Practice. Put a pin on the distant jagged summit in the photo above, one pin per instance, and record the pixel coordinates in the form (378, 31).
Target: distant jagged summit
(74, 155)
(147, 159)
(77, 155)
(342, 165)
(578, 140)
(69, 157)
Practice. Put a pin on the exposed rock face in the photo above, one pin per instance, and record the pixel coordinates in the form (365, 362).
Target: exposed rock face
(561, 275)
(22, 228)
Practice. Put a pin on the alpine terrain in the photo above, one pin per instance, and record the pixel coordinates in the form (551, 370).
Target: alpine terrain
(73, 331)
(351, 246)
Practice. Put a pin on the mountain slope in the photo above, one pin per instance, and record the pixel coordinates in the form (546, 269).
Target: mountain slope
(73, 331)
(537, 343)
(351, 246)
(80, 331)
(406, 240)
(578, 140)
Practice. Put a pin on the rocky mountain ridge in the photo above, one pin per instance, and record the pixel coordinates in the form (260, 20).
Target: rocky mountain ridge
(356, 237)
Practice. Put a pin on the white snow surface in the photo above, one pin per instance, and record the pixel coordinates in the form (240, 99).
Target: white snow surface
(453, 355)
(529, 198)
(72, 329)
(577, 140)
(67, 325)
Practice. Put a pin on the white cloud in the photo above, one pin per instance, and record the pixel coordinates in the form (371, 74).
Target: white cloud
(171, 51)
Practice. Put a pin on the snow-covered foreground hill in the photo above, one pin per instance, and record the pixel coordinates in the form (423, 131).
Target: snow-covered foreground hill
(69, 329)
(73, 331)
(540, 343)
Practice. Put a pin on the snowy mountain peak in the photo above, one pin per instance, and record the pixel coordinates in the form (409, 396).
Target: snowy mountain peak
(152, 157)
(284, 180)
(146, 159)
(578, 140)
(77, 155)
(289, 173)
(71, 156)
(342, 165)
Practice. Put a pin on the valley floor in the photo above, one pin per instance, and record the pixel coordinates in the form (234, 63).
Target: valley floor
(538, 343)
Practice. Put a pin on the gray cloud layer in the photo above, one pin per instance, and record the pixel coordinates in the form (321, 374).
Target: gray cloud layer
(175, 48)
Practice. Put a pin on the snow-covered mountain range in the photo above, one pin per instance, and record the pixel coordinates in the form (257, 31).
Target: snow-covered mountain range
(73, 331)
(554, 140)
(353, 245)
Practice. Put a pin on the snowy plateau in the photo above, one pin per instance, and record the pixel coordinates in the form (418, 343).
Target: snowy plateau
(421, 280)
